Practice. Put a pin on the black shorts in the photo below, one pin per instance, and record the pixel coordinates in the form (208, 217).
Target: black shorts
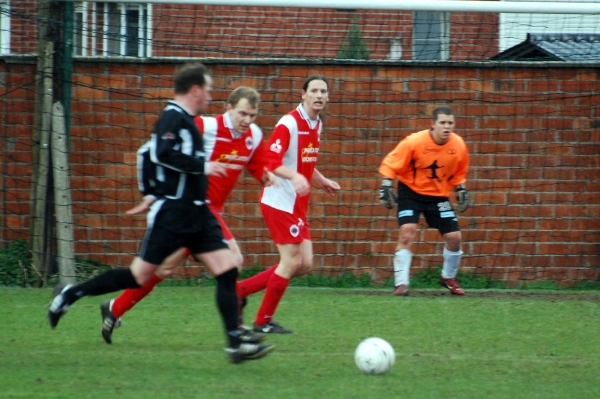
(162, 238)
(438, 211)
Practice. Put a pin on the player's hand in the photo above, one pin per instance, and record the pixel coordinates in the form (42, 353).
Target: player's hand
(462, 198)
(142, 207)
(215, 169)
(330, 186)
(386, 193)
(301, 185)
(269, 179)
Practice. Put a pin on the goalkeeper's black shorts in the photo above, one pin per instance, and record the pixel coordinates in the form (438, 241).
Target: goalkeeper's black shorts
(438, 211)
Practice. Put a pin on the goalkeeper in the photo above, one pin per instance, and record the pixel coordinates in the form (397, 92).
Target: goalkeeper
(429, 165)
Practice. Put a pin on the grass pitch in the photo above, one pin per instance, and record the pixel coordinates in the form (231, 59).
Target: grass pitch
(484, 345)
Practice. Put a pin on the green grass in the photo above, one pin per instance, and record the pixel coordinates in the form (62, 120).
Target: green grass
(171, 346)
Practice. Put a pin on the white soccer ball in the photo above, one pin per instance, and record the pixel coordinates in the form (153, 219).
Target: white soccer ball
(374, 356)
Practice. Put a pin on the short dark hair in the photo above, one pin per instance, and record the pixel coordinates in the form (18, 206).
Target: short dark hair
(441, 111)
(314, 77)
(248, 93)
(189, 75)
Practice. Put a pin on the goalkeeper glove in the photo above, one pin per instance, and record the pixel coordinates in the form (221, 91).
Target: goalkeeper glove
(386, 193)
(462, 198)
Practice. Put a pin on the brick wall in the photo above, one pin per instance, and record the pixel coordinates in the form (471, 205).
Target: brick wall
(533, 134)
(223, 31)
(241, 32)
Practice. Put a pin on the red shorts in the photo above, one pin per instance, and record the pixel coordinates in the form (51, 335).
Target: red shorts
(219, 216)
(285, 228)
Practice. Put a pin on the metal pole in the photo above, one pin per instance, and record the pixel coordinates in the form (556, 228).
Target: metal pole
(39, 225)
(67, 67)
(62, 198)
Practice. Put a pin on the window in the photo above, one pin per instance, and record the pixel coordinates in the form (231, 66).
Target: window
(4, 27)
(112, 29)
(431, 38)
(80, 46)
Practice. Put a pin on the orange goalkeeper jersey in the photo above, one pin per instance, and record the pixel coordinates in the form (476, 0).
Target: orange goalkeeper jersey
(426, 167)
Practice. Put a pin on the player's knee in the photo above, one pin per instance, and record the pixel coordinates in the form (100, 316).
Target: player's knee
(406, 238)
(304, 268)
(453, 241)
(142, 271)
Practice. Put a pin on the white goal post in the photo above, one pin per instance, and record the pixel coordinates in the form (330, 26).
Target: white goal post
(561, 7)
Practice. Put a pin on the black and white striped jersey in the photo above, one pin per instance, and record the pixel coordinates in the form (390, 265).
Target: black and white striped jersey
(177, 154)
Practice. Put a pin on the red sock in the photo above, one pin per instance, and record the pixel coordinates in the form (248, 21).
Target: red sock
(275, 290)
(131, 296)
(256, 283)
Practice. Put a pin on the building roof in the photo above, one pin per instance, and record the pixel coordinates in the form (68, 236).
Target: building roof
(554, 47)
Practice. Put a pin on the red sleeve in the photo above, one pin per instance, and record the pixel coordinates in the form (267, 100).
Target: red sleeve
(200, 124)
(277, 146)
(257, 163)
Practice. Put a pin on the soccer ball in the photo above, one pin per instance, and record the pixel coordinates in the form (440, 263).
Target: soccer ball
(374, 356)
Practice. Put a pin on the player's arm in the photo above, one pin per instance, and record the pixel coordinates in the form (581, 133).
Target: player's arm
(301, 185)
(392, 165)
(396, 161)
(257, 166)
(143, 206)
(277, 146)
(460, 179)
(326, 184)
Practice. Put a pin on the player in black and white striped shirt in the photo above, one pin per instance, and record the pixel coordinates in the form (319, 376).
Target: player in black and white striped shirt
(179, 217)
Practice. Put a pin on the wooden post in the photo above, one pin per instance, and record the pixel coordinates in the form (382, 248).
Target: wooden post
(62, 198)
(39, 236)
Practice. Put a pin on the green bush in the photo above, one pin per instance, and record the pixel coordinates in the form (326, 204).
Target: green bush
(15, 265)
(16, 269)
(355, 48)
(84, 270)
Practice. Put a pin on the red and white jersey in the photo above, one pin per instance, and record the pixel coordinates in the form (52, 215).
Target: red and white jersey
(295, 145)
(236, 150)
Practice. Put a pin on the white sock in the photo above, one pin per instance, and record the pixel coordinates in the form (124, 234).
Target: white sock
(451, 261)
(402, 260)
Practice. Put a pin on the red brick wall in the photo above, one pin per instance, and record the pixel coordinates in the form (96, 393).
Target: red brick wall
(533, 134)
(23, 26)
(241, 32)
(222, 31)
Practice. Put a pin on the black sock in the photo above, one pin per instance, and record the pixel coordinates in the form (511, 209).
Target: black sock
(228, 305)
(110, 281)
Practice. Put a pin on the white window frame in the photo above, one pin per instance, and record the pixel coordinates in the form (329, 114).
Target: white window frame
(5, 27)
(89, 11)
(80, 7)
(94, 11)
(444, 40)
(142, 28)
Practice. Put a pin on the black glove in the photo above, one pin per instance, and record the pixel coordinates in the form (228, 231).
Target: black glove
(462, 198)
(386, 193)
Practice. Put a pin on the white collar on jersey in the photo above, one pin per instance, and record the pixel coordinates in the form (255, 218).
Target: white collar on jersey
(229, 125)
(173, 102)
(304, 115)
